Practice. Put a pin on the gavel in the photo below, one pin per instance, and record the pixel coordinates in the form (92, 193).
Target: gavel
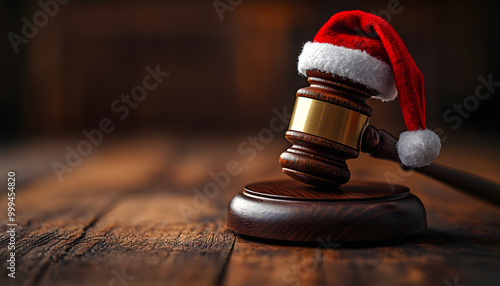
(330, 124)
(353, 57)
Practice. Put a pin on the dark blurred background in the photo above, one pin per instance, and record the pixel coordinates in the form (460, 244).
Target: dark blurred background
(228, 70)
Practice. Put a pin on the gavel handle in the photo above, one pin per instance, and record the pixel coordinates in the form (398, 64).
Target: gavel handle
(380, 144)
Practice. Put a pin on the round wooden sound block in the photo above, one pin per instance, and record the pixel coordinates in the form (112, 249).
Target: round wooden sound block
(293, 211)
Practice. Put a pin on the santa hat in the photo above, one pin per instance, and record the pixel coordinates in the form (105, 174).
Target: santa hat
(366, 49)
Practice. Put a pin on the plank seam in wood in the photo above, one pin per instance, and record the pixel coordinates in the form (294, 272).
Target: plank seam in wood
(223, 272)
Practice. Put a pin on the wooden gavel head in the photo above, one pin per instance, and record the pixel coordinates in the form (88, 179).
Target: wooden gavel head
(326, 129)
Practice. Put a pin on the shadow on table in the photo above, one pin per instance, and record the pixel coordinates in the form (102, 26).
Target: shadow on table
(430, 236)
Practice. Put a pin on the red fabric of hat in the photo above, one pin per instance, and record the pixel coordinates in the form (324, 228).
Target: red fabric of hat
(366, 49)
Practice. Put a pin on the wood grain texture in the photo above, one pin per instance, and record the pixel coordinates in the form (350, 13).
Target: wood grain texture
(119, 211)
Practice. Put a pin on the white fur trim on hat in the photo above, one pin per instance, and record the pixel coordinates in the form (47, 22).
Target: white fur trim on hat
(356, 65)
(418, 148)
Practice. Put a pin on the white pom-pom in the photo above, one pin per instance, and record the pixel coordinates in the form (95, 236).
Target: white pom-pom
(418, 148)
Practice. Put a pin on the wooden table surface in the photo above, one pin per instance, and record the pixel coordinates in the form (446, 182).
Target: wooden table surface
(129, 215)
